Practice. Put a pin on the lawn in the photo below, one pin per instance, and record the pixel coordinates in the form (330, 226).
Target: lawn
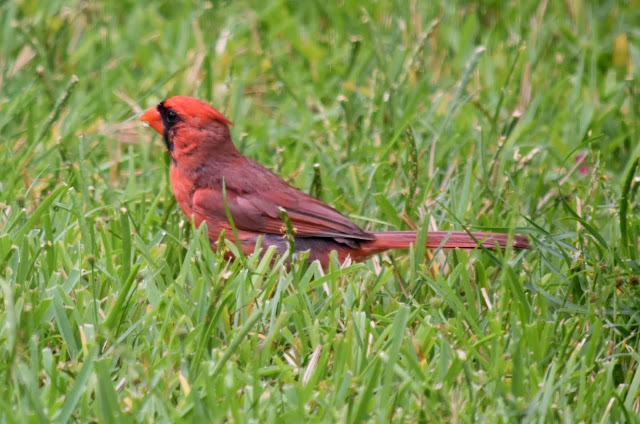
(520, 117)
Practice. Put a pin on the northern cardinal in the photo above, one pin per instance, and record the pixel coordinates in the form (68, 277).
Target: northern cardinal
(203, 156)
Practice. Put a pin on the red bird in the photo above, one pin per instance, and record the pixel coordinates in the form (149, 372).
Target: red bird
(203, 156)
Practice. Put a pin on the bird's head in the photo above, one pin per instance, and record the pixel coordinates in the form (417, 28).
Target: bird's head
(185, 123)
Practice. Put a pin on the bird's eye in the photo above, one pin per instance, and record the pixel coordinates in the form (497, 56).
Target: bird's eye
(171, 116)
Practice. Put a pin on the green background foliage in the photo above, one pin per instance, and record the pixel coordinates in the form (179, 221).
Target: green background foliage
(525, 118)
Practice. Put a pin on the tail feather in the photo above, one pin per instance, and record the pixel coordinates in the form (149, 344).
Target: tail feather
(387, 240)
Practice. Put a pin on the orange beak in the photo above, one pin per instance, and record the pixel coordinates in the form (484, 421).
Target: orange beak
(153, 119)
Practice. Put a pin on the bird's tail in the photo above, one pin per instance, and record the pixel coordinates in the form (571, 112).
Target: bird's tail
(387, 240)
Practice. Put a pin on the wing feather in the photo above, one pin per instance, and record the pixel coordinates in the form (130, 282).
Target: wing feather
(259, 212)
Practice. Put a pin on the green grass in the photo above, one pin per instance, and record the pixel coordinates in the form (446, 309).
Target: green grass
(114, 309)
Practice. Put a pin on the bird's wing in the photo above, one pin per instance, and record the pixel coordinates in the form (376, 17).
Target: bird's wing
(259, 212)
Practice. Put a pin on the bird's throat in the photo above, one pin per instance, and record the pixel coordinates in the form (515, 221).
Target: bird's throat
(167, 140)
